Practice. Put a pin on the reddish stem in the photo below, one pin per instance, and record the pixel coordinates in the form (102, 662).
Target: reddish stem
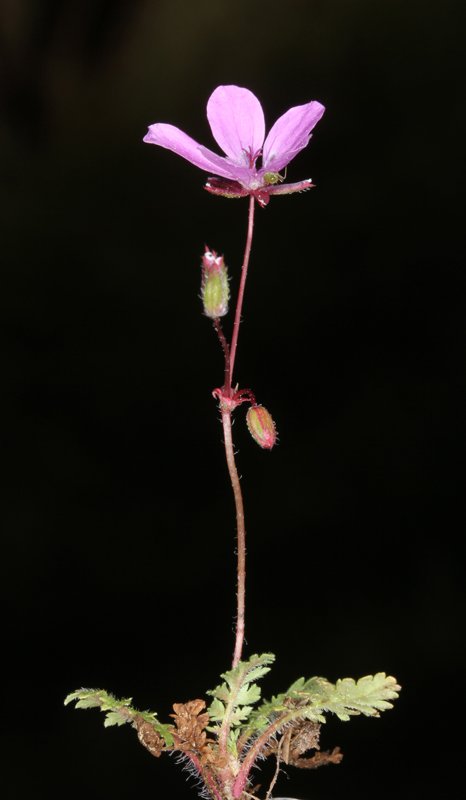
(244, 273)
(241, 537)
(226, 351)
(229, 352)
(230, 455)
(205, 776)
(251, 757)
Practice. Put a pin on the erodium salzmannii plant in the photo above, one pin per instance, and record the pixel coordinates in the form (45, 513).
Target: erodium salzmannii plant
(223, 742)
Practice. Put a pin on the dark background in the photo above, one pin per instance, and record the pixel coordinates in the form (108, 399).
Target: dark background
(117, 529)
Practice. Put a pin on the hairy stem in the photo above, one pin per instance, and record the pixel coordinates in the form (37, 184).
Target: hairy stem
(204, 774)
(226, 351)
(244, 273)
(276, 773)
(230, 455)
(255, 751)
(229, 352)
(241, 536)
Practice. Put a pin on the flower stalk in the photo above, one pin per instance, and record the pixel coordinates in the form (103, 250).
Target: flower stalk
(226, 411)
(242, 286)
(240, 535)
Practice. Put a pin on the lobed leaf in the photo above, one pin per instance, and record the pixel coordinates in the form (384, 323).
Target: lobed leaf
(119, 711)
(311, 699)
(369, 695)
(115, 718)
(234, 699)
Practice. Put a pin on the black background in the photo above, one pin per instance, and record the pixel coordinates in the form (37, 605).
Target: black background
(117, 531)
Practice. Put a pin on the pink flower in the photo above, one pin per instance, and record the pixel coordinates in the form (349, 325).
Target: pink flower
(237, 122)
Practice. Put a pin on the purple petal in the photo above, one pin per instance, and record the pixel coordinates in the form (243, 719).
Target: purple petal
(243, 175)
(237, 122)
(290, 134)
(180, 143)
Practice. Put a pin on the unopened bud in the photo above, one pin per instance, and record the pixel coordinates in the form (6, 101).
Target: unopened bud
(215, 290)
(261, 427)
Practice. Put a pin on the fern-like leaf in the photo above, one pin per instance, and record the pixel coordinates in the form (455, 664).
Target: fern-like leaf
(119, 711)
(311, 699)
(369, 696)
(234, 699)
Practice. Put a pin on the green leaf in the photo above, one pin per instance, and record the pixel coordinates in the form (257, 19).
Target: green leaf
(311, 699)
(216, 710)
(82, 695)
(232, 740)
(248, 694)
(240, 714)
(115, 718)
(88, 702)
(234, 699)
(248, 671)
(119, 711)
(369, 695)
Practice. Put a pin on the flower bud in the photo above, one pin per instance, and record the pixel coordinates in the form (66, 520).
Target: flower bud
(261, 427)
(214, 290)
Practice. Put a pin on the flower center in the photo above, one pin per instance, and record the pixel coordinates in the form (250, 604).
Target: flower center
(251, 157)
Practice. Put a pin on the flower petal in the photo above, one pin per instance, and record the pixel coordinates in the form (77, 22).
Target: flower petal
(243, 175)
(290, 134)
(237, 122)
(174, 139)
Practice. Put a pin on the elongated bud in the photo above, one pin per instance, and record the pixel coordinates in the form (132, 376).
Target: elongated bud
(261, 427)
(215, 290)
